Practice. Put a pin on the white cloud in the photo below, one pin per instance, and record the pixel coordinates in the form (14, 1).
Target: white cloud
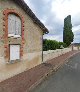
(53, 37)
(76, 31)
(62, 8)
(76, 28)
(28, 2)
(52, 14)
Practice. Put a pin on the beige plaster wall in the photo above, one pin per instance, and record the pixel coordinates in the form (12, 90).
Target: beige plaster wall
(32, 48)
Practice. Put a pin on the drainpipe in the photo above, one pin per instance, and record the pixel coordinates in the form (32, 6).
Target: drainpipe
(42, 48)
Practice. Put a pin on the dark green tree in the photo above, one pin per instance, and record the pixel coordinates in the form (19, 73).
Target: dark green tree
(68, 35)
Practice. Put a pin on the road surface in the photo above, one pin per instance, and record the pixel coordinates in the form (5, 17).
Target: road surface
(66, 79)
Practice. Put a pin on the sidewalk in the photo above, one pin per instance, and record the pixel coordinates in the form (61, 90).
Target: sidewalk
(27, 80)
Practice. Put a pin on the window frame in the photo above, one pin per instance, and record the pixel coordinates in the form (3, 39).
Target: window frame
(14, 35)
(5, 37)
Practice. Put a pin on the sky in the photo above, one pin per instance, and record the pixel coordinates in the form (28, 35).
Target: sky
(52, 14)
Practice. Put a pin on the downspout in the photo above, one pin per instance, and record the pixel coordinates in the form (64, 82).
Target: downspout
(42, 48)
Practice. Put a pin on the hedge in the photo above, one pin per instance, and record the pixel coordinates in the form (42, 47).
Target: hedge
(52, 45)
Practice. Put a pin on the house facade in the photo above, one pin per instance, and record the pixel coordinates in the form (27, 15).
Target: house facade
(21, 35)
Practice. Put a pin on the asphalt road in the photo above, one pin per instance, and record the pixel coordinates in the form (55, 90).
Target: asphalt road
(66, 79)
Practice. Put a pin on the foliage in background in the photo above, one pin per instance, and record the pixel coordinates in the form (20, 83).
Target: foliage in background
(68, 35)
(52, 45)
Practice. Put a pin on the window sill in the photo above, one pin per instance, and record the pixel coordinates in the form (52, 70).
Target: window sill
(14, 36)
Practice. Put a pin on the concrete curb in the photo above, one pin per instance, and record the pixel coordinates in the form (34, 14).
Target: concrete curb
(53, 70)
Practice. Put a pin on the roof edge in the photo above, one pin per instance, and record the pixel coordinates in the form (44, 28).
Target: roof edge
(26, 8)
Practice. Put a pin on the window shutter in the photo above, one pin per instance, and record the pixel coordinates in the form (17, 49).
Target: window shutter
(18, 26)
(14, 25)
(11, 24)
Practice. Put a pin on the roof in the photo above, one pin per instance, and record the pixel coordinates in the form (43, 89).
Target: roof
(26, 8)
(75, 44)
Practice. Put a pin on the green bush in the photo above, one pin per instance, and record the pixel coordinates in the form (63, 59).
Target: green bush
(52, 45)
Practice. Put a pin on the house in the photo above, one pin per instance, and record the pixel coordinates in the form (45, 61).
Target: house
(21, 37)
(75, 46)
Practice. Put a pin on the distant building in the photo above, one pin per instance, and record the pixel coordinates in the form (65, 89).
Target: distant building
(75, 44)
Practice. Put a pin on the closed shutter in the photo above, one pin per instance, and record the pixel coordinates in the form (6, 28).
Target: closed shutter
(14, 52)
(11, 24)
(14, 25)
(18, 26)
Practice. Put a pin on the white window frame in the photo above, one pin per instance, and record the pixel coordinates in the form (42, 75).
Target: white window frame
(13, 22)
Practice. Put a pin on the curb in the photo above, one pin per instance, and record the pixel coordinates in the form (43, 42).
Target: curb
(53, 70)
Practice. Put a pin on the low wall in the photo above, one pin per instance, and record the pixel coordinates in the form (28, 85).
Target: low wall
(47, 55)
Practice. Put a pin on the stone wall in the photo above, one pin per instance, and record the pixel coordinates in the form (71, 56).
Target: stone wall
(47, 55)
(54, 53)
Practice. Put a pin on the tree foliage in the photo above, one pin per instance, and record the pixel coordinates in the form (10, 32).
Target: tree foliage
(68, 35)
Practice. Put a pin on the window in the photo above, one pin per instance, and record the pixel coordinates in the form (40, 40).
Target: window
(14, 25)
(14, 52)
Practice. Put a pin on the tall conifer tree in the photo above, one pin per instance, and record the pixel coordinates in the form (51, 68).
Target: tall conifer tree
(68, 35)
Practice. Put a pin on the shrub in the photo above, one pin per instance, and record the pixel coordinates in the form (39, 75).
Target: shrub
(52, 44)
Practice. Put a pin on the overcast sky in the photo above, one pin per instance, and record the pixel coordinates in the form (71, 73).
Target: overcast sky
(52, 14)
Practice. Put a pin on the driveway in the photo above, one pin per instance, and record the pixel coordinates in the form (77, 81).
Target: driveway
(66, 79)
